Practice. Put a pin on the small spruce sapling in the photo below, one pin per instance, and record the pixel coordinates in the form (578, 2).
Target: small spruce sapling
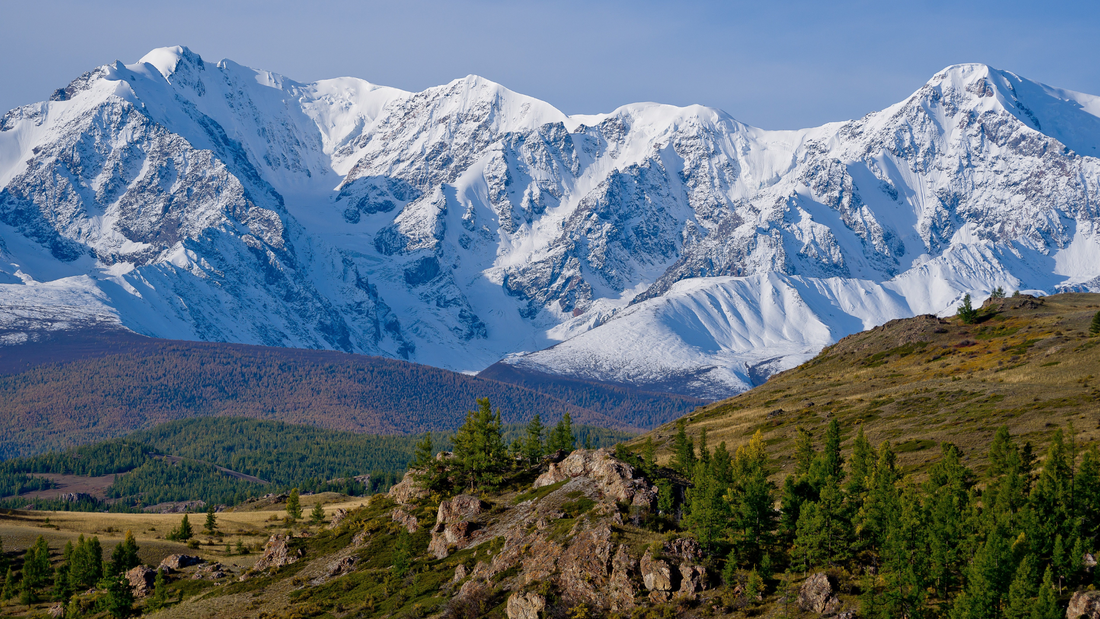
(967, 314)
(317, 515)
(1094, 328)
(294, 505)
(211, 519)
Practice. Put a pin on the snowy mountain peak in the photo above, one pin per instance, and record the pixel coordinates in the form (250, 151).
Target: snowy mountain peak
(660, 246)
(166, 60)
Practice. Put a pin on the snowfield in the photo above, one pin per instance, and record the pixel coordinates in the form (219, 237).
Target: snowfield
(663, 247)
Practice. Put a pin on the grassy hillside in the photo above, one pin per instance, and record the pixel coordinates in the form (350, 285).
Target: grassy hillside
(1026, 363)
(84, 386)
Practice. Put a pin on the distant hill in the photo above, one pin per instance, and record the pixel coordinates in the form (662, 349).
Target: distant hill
(1027, 363)
(643, 408)
(76, 387)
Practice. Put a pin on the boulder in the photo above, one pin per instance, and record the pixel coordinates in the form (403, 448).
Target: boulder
(141, 580)
(693, 579)
(816, 595)
(57, 611)
(405, 519)
(1084, 604)
(277, 553)
(455, 524)
(408, 490)
(613, 477)
(683, 550)
(178, 562)
(656, 573)
(527, 606)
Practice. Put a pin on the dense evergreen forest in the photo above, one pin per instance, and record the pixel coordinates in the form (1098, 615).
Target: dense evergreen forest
(185, 460)
(1008, 544)
(79, 389)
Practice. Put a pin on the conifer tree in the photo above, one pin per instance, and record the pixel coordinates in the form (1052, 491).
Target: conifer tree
(561, 437)
(750, 497)
(1046, 605)
(1022, 591)
(704, 451)
(860, 468)
(181, 534)
(649, 454)
(36, 570)
(533, 446)
(804, 454)
(480, 453)
(877, 516)
(706, 513)
(160, 592)
(62, 588)
(293, 505)
(9, 585)
(211, 519)
(402, 551)
(125, 555)
(317, 515)
(830, 455)
(119, 601)
(423, 452)
(987, 580)
(966, 312)
(684, 456)
(1094, 326)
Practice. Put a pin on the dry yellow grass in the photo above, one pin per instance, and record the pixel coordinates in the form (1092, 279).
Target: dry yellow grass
(19, 529)
(922, 381)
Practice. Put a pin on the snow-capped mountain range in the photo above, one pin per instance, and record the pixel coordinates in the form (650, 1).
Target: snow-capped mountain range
(664, 247)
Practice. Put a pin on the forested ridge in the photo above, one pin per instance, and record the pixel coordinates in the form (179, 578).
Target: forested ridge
(283, 455)
(77, 389)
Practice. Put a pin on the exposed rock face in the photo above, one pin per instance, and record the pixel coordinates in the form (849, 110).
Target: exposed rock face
(141, 579)
(1084, 604)
(360, 538)
(615, 478)
(620, 588)
(656, 576)
(525, 606)
(405, 519)
(693, 579)
(178, 562)
(686, 578)
(455, 524)
(57, 611)
(277, 553)
(816, 595)
(338, 517)
(337, 567)
(407, 491)
(585, 567)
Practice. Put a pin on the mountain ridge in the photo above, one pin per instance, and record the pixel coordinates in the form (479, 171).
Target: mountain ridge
(466, 223)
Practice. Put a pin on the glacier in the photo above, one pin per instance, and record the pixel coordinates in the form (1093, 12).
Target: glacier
(666, 248)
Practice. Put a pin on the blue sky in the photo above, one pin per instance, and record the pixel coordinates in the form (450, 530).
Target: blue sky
(777, 65)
